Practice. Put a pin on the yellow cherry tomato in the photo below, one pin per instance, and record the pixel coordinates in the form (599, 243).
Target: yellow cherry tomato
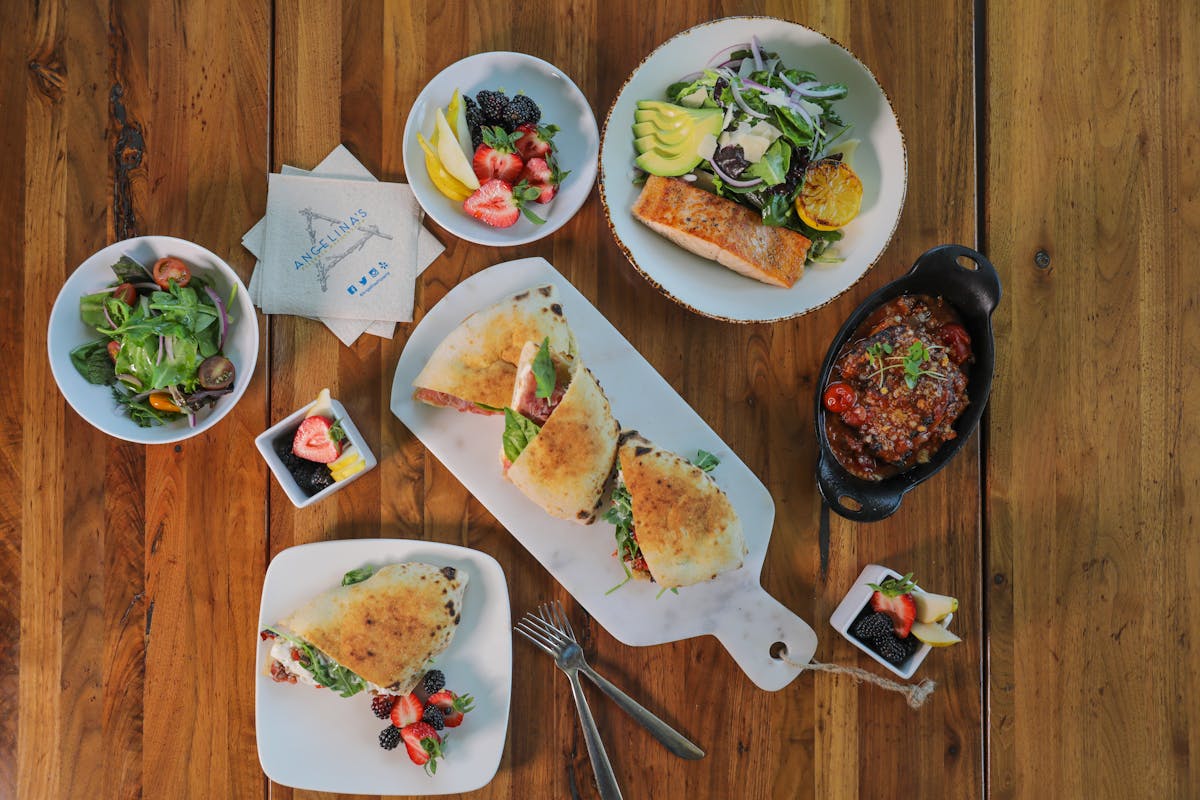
(162, 401)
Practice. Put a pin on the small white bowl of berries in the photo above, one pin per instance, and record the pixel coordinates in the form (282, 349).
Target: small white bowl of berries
(501, 149)
(891, 619)
(315, 451)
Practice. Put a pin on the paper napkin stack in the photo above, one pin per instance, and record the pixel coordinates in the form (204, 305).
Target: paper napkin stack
(339, 246)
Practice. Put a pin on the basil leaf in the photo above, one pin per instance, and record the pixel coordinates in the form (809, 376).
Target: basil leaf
(706, 460)
(357, 575)
(543, 370)
(518, 433)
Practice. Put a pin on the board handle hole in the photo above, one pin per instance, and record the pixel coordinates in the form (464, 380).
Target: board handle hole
(966, 262)
(849, 503)
(778, 650)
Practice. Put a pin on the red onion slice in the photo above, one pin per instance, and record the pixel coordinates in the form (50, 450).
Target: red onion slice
(731, 180)
(809, 89)
(222, 316)
(754, 51)
(723, 53)
(130, 379)
(737, 98)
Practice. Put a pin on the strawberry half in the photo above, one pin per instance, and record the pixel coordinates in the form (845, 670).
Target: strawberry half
(500, 205)
(453, 707)
(423, 744)
(894, 598)
(497, 156)
(313, 441)
(407, 710)
(540, 176)
(535, 141)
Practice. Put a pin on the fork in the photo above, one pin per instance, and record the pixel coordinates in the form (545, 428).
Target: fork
(551, 630)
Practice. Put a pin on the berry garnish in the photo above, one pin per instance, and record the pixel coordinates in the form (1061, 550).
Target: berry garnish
(433, 682)
(381, 705)
(894, 598)
(389, 737)
(500, 205)
(407, 710)
(493, 107)
(535, 141)
(522, 111)
(876, 630)
(497, 156)
(433, 715)
(452, 706)
(313, 442)
(423, 744)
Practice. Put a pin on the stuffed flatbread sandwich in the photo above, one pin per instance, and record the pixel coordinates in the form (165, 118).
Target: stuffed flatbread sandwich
(377, 631)
(560, 438)
(474, 366)
(674, 524)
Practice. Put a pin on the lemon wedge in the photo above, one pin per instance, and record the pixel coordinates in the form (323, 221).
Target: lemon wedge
(933, 634)
(452, 156)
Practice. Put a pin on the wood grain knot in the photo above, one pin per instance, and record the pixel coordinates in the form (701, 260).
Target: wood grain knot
(50, 77)
(129, 147)
(1041, 259)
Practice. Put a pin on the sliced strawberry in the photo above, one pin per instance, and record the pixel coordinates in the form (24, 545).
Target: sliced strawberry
(544, 175)
(894, 598)
(497, 156)
(313, 441)
(500, 205)
(423, 744)
(407, 710)
(535, 141)
(453, 707)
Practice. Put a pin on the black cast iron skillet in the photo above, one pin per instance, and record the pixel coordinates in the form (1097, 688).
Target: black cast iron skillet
(974, 291)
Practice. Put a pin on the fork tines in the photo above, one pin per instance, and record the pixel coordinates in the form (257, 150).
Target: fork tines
(549, 628)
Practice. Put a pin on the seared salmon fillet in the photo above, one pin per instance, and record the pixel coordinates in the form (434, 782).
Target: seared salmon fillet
(722, 231)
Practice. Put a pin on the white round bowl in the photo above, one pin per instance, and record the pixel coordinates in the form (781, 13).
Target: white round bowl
(66, 332)
(562, 104)
(704, 286)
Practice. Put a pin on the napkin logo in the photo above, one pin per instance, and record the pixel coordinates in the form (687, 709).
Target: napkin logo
(337, 231)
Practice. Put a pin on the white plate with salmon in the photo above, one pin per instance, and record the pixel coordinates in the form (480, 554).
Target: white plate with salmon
(752, 169)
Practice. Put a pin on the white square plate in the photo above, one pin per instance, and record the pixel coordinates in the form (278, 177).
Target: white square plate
(314, 739)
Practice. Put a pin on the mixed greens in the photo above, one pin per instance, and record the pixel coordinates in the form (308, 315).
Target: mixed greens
(519, 430)
(161, 339)
(621, 517)
(776, 121)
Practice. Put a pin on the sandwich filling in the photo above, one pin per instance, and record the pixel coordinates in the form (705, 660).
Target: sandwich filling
(443, 400)
(537, 391)
(293, 660)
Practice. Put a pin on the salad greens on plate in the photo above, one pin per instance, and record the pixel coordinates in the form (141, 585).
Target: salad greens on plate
(161, 334)
(752, 129)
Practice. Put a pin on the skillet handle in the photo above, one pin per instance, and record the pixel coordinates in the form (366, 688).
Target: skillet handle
(982, 281)
(874, 503)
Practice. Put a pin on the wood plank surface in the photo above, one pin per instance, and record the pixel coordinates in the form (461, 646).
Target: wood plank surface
(1093, 216)
(132, 574)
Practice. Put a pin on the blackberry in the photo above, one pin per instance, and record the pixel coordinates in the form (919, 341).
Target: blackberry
(493, 106)
(389, 737)
(522, 111)
(893, 649)
(381, 705)
(318, 478)
(871, 627)
(433, 715)
(433, 682)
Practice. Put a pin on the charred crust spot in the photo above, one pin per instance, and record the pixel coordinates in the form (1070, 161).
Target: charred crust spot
(449, 572)
(370, 654)
(521, 296)
(640, 450)
(450, 607)
(556, 309)
(370, 621)
(457, 619)
(432, 634)
(584, 514)
(626, 436)
(545, 291)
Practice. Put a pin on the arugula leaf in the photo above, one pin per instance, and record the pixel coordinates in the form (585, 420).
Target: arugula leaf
(621, 516)
(325, 670)
(93, 363)
(518, 433)
(706, 460)
(543, 370)
(774, 164)
(357, 575)
(141, 412)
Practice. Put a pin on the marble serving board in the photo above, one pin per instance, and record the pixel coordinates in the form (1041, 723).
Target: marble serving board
(734, 607)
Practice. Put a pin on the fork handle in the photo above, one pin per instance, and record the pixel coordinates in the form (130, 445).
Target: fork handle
(606, 780)
(670, 738)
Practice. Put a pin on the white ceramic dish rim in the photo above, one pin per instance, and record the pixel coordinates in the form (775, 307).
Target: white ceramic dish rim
(572, 195)
(286, 482)
(67, 302)
(692, 304)
(853, 603)
(391, 551)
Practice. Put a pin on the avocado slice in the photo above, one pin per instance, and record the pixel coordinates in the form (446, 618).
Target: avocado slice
(668, 137)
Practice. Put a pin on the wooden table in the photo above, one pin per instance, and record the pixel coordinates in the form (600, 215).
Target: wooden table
(1060, 141)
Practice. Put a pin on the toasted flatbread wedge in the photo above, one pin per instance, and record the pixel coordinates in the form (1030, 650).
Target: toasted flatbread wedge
(386, 628)
(565, 467)
(722, 231)
(686, 528)
(477, 361)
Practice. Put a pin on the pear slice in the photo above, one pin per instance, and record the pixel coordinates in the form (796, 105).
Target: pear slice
(322, 407)
(452, 156)
(933, 634)
(934, 607)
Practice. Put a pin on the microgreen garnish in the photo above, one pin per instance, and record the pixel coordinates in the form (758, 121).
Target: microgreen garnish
(621, 516)
(879, 356)
(543, 370)
(706, 460)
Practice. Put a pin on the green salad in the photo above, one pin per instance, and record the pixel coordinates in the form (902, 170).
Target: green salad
(161, 335)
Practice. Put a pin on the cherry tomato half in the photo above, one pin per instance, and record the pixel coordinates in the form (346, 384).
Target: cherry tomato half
(839, 397)
(957, 341)
(856, 416)
(171, 269)
(162, 401)
(125, 293)
(114, 347)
